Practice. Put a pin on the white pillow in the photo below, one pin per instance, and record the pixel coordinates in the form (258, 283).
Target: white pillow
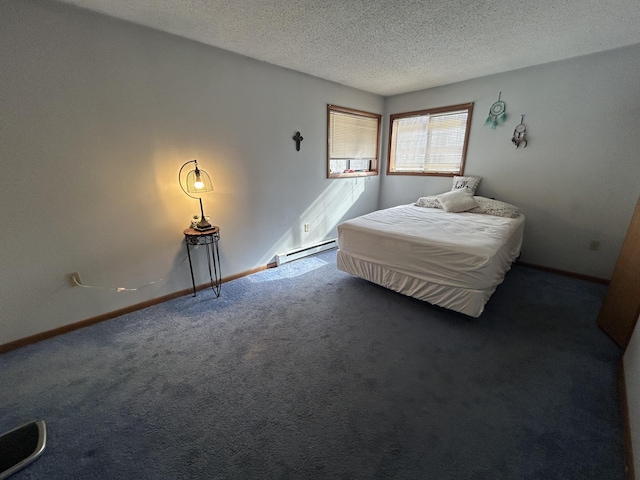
(470, 182)
(490, 206)
(459, 200)
(430, 201)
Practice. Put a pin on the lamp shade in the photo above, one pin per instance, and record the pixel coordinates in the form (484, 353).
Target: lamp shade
(196, 181)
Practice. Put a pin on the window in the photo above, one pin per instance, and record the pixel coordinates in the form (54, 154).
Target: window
(429, 142)
(353, 139)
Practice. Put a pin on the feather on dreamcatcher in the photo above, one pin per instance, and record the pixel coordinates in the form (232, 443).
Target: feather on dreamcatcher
(497, 113)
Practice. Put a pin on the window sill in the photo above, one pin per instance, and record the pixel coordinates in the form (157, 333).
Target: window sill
(371, 173)
(425, 174)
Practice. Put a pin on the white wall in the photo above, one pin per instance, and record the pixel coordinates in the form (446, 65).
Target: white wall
(577, 180)
(96, 117)
(632, 380)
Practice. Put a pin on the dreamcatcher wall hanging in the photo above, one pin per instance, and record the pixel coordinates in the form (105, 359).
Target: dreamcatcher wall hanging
(518, 134)
(497, 113)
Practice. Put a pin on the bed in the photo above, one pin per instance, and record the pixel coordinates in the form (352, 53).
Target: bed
(452, 259)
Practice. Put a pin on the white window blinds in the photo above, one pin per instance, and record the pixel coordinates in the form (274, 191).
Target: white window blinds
(352, 136)
(353, 139)
(431, 143)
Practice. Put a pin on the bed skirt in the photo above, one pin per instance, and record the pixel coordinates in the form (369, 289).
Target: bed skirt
(467, 301)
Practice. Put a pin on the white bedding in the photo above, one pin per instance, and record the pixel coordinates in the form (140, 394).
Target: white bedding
(455, 260)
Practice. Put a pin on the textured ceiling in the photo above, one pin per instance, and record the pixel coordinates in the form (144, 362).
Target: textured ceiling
(392, 46)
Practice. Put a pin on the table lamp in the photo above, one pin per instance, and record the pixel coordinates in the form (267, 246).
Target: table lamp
(196, 181)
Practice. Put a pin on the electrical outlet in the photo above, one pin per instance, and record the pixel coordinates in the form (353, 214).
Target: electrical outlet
(594, 245)
(307, 227)
(76, 276)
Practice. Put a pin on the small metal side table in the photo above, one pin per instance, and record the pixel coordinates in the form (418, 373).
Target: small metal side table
(209, 239)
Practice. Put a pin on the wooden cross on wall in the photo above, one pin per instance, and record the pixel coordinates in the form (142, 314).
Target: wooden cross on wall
(297, 138)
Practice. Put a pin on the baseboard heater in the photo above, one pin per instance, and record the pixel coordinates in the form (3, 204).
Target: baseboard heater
(305, 251)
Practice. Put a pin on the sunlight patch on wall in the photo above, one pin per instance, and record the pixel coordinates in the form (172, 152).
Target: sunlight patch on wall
(323, 215)
(330, 207)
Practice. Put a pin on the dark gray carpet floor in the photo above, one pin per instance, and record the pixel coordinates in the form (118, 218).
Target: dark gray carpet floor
(306, 372)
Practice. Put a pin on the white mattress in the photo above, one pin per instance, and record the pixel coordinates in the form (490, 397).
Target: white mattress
(431, 254)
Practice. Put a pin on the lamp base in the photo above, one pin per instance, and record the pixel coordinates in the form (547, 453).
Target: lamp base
(203, 226)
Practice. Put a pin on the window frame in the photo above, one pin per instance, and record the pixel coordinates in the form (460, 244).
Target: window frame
(432, 111)
(374, 162)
